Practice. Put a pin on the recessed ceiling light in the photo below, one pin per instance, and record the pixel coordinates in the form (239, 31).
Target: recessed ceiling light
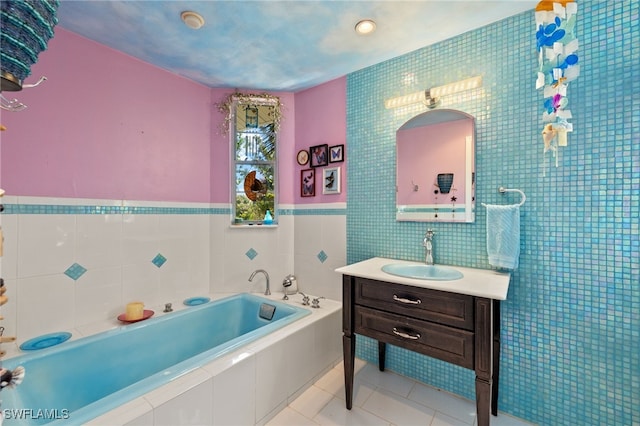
(192, 20)
(366, 26)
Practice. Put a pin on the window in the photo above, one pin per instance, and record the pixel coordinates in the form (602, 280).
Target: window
(254, 123)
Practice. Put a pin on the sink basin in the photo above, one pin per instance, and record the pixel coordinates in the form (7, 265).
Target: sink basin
(422, 272)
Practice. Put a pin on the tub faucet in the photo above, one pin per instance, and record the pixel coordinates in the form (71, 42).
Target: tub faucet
(428, 245)
(267, 292)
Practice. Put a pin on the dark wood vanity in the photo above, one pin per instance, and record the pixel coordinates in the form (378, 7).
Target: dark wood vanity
(463, 329)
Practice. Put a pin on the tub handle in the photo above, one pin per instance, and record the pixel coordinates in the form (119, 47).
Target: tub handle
(305, 299)
(315, 303)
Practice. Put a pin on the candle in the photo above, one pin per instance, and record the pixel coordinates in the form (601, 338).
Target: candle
(135, 311)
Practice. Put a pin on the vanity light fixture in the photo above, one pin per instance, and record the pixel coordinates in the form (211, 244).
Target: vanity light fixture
(431, 97)
(366, 26)
(192, 20)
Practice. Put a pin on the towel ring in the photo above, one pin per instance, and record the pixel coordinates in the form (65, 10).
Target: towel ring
(502, 190)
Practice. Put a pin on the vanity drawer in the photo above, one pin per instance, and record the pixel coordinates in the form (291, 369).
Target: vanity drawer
(423, 303)
(439, 341)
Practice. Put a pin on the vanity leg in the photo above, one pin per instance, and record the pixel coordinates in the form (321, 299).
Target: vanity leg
(348, 338)
(484, 345)
(382, 355)
(483, 395)
(348, 349)
(496, 357)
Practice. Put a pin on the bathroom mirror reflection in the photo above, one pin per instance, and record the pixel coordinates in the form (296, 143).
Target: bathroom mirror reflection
(435, 167)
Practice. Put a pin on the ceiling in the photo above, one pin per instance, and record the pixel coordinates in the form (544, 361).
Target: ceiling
(275, 45)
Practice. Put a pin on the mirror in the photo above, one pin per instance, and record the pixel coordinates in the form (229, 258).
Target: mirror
(435, 168)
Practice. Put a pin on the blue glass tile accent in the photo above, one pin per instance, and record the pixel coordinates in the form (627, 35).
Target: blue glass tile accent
(575, 291)
(66, 209)
(322, 256)
(75, 271)
(159, 260)
(251, 253)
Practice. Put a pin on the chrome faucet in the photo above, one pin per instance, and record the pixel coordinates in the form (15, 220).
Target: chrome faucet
(267, 292)
(428, 245)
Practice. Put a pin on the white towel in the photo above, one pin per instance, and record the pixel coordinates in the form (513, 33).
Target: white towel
(503, 235)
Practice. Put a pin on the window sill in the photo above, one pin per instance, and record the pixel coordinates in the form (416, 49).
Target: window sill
(252, 225)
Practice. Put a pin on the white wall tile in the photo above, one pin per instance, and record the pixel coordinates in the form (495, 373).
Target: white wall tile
(99, 241)
(140, 282)
(139, 238)
(10, 253)
(98, 295)
(46, 244)
(45, 304)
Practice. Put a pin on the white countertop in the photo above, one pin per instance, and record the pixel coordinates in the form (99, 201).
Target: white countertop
(475, 282)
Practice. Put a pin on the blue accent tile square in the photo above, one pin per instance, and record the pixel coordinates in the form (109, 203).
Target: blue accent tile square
(75, 271)
(251, 253)
(159, 260)
(322, 256)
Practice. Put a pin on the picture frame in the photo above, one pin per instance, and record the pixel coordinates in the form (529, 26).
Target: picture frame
(331, 180)
(308, 183)
(336, 153)
(319, 155)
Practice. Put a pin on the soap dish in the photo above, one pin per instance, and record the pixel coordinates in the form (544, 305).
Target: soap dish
(45, 341)
(195, 301)
(147, 313)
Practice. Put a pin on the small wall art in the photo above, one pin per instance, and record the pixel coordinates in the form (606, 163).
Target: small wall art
(308, 183)
(331, 180)
(336, 153)
(319, 155)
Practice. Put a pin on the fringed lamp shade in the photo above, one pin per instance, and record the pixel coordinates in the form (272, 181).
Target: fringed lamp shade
(26, 26)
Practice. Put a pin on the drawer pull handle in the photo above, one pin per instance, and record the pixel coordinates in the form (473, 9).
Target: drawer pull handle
(406, 335)
(407, 301)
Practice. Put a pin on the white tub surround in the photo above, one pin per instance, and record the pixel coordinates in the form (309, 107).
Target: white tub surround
(247, 386)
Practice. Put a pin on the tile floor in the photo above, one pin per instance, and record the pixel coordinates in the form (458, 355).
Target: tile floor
(380, 399)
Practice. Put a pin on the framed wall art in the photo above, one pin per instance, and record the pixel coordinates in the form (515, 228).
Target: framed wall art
(319, 155)
(331, 180)
(308, 183)
(336, 153)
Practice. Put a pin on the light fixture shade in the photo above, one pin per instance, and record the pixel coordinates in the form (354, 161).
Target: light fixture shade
(431, 96)
(411, 98)
(25, 30)
(458, 86)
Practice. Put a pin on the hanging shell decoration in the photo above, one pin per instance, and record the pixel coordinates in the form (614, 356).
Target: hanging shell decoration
(558, 65)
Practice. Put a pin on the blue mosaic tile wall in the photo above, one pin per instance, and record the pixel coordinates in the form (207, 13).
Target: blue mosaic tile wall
(571, 324)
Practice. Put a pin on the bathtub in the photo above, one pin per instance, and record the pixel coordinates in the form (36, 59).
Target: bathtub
(79, 380)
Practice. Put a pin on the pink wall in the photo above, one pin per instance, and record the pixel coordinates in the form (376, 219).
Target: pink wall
(426, 151)
(321, 118)
(105, 125)
(108, 126)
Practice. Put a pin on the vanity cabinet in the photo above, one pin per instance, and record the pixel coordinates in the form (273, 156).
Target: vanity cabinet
(458, 328)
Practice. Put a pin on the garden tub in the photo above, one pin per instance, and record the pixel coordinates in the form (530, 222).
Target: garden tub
(81, 379)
